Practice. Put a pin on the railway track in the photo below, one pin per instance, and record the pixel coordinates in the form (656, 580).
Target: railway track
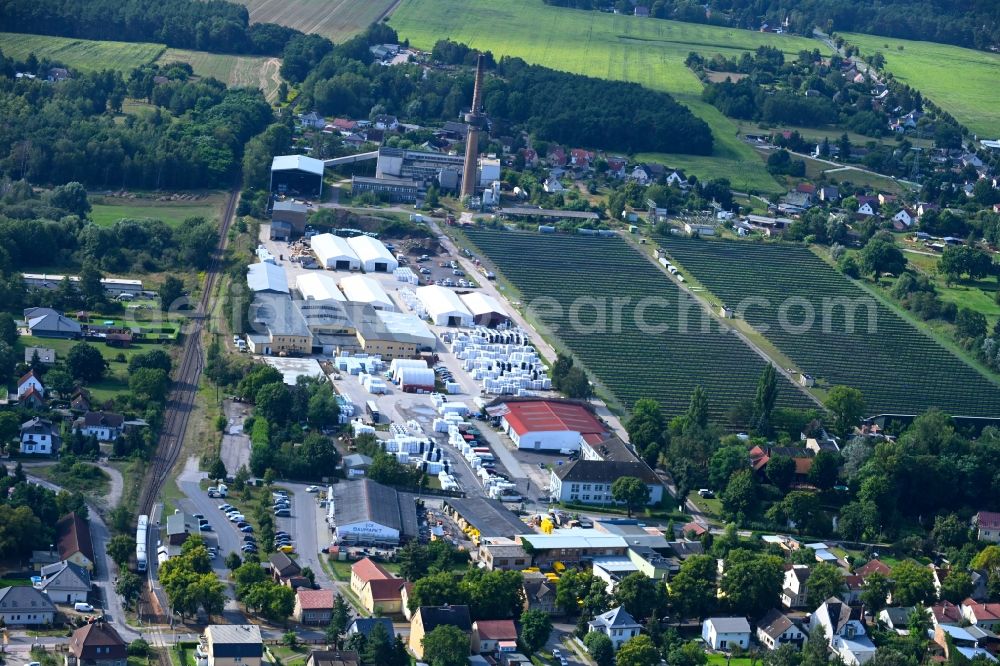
(180, 402)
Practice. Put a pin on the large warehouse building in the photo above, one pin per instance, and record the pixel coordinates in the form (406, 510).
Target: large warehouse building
(443, 306)
(486, 310)
(265, 277)
(318, 287)
(368, 513)
(392, 334)
(373, 255)
(548, 425)
(334, 253)
(297, 174)
(362, 289)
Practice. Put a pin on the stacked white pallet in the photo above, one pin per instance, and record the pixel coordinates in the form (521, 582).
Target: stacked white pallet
(402, 457)
(373, 384)
(452, 388)
(407, 275)
(361, 428)
(413, 303)
(397, 430)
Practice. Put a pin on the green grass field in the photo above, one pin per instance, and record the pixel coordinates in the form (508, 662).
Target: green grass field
(961, 81)
(337, 19)
(234, 71)
(82, 54)
(110, 210)
(647, 51)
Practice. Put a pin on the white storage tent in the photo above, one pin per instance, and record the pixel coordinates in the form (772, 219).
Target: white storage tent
(416, 379)
(334, 252)
(444, 307)
(318, 287)
(399, 364)
(373, 254)
(361, 289)
(486, 310)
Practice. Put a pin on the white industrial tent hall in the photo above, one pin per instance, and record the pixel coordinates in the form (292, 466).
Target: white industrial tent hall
(373, 254)
(318, 287)
(334, 253)
(486, 310)
(362, 289)
(444, 307)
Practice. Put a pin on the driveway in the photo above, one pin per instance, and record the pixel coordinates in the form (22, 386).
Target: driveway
(235, 451)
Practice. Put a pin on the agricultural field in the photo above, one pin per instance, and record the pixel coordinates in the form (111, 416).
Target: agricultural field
(898, 368)
(960, 81)
(337, 19)
(646, 51)
(83, 54)
(678, 348)
(105, 211)
(235, 71)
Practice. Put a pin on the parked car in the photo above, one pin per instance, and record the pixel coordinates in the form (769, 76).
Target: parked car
(287, 548)
(248, 529)
(205, 527)
(282, 513)
(312, 489)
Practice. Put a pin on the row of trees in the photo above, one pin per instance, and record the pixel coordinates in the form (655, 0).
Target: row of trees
(217, 26)
(29, 512)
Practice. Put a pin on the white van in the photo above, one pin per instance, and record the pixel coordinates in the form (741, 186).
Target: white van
(82, 607)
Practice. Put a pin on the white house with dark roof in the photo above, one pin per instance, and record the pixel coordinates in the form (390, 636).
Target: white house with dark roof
(775, 629)
(48, 323)
(25, 606)
(39, 437)
(589, 481)
(105, 426)
(794, 590)
(65, 582)
(617, 625)
(844, 631)
(726, 633)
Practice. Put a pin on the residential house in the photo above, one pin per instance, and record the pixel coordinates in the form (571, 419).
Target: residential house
(97, 644)
(556, 156)
(693, 530)
(31, 399)
(886, 199)
(427, 618)
(334, 658)
(580, 158)
(284, 568)
(987, 524)
(552, 185)
(589, 481)
(313, 606)
(854, 585)
(386, 123)
(726, 633)
(48, 323)
(844, 630)
(105, 426)
(775, 629)
(80, 401)
(45, 355)
(617, 625)
(867, 209)
(945, 612)
(616, 167)
(924, 208)
(983, 615)
(233, 645)
(28, 382)
(828, 193)
(539, 593)
(312, 120)
(378, 590)
(677, 179)
(794, 589)
(345, 126)
(896, 618)
(364, 626)
(65, 582)
(22, 606)
(905, 217)
(970, 642)
(491, 635)
(873, 566)
(39, 437)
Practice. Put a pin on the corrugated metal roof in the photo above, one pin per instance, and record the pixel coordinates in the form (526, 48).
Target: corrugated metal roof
(361, 289)
(318, 287)
(551, 416)
(363, 501)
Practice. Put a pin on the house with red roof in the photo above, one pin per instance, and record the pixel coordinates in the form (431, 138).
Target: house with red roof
(549, 425)
(872, 567)
(313, 606)
(490, 636)
(556, 156)
(379, 591)
(987, 525)
(29, 382)
(945, 612)
(983, 615)
(73, 541)
(579, 157)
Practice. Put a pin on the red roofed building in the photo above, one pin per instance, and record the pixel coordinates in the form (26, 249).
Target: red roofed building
(874, 566)
(488, 634)
(984, 616)
(988, 526)
(945, 612)
(73, 541)
(313, 606)
(379, 591)
(579, 157)
(550, 425)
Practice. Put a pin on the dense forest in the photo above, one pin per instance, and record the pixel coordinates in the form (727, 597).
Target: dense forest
(970, 23)
(193, 138)
(555, 106)
(210, 25)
